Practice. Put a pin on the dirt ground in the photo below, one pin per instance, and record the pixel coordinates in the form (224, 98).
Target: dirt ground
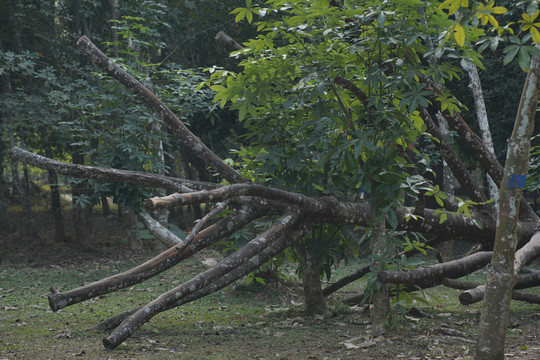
(240, 322)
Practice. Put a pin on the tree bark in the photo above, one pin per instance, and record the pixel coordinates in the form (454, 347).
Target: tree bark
(380, 303)
(4, 217)
(131, 229)
(112, 175)
(56, 205)
(157, 265)
(437, 273)
(82, 212)
(479, 150)
(447, 247)
(481, 114)
(311, 281)
(501, 276)
(179, 129)
(160, 232)
(170, 298)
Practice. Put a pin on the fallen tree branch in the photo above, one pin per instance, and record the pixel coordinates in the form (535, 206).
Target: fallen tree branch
(523, 257)
(178, 128)
(232, 191)
(157, 265)
(475, 293)
(448, 153)
(160, 232)
(325, 209)
(480, 151)
(200, 225)
(110, 174)
(436, 273)
(168, 299)
(272, 250)
(227, 41)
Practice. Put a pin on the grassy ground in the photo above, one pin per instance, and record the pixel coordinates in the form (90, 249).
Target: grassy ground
(240, 322)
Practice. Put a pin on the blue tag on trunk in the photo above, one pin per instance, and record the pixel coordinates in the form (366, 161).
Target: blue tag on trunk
(516, 181)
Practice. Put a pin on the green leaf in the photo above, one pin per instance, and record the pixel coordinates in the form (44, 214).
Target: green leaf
(511, 52)
(524, 59)
(478, 224)
(442, 218)
(392, 219)
(381, 18)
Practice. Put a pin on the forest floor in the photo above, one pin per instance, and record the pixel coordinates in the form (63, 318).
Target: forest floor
(239, 322)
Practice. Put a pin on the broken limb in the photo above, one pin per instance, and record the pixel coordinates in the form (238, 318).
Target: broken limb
(480, 151)
(436, 273)
(256, 261)
(475, 293)
(201, 223)
(358, 274)
(227, 41)
(196, 146)
(160, 232)
(168, 299)
(325, 209)
(448, 153)
(523, 257)
(232, 191)
(110, 174)
(158, 264)
(527, 253)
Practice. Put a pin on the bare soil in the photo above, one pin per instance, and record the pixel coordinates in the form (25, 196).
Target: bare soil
(240, 322)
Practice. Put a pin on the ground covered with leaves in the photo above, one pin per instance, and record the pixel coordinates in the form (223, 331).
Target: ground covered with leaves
(240, 322)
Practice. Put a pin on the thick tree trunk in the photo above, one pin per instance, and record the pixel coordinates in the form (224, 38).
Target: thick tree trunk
(311, 281)
(501, 276)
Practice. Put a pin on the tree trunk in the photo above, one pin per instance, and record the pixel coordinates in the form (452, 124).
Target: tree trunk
(132, 230)
(501, 276)
(105, 206)
(447, 247)
(311, 281)
(82, 210)
(481, 114)
(28, 220)
(380, 304)
(4, 217)
(56, 206)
